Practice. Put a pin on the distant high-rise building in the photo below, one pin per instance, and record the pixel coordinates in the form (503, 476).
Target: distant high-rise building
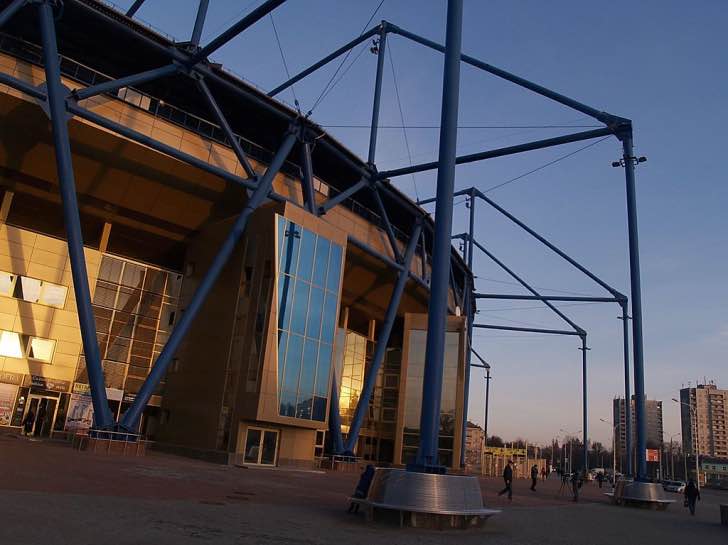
(654, 424)
(710, 405)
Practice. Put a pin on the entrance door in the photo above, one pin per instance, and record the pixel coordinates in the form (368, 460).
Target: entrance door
(261, 446)
(44, 414)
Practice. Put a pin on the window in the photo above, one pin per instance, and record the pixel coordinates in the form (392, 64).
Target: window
(309, 273)
(32, 290)
(41, 349)
(10, 344)
(7, 282)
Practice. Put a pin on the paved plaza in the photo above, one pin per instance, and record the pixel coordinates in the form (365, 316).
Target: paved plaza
(54, 495)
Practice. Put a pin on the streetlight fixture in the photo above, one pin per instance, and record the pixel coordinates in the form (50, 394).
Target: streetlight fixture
(693, 412)
(614, 451)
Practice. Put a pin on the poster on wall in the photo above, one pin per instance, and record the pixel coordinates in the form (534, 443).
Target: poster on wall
(7, 401)
(80, 414)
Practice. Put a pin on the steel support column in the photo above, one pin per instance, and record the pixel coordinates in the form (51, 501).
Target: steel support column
(222, 120)
(427, 454)
(130, 420)
(584, 406)
(501, 152)
(199, 21)
(134, 8)
(11, 10)
(64, 165)
(309, 199)
(387, 224)
(627, 390)
(370, 380)
(487, 400)
(323, 62)
(636, 296)
(337, 442)
(469, 313)
(253, 17)
(127, 81)
(377, 95)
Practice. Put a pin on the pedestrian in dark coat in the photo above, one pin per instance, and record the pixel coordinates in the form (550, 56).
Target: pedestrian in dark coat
(28, 422)
(534, 477)
(362, 487)
(575, 485)
(692, 495)
(508, 479)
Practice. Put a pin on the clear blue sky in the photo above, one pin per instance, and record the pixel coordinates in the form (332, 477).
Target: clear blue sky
(661, 63)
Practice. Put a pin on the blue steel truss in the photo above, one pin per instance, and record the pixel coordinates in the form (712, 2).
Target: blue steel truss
(193, 62)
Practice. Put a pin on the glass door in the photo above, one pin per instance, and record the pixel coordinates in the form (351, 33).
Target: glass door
(43, 410)
(261, 446)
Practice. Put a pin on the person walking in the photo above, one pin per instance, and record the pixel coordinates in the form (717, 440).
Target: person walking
(543, 473)
(362, 488)
(28, 422)
(692, 495)
(600, 478)
(534, 477)
(575, 485)
(508, 479)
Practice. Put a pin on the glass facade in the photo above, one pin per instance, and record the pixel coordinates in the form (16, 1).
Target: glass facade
(352, 376)
(413, 396)
(135, 307)
(309, 274)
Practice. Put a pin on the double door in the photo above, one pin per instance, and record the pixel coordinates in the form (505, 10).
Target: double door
(261, 446)
(41, 411)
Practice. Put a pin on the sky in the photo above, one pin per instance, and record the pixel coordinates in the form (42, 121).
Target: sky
(661, 63)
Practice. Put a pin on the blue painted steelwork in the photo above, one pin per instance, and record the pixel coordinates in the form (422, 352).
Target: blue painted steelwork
(377, 94)
(427, 454)
(307, 178)
(11, 10)
(627, 390)
(127, 81)
(323, 62)
(370, 380)
(134, 8)
(341, 197)
(130, 419)
(584, 349)
(253, 17)
(546, 298)
(636, 292)
(543, 91)
(131, 134)
(528, 287)
(337, 441)
(501, 152)
(199, 22)
(469, 313)
(232, 139)
(387, 225)
(64, 165)
(528, 329)
(23, 87)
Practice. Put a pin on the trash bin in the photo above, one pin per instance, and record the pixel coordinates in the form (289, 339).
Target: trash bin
(724, 514)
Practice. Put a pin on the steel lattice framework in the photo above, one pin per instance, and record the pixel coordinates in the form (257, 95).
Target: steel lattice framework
(61, 104)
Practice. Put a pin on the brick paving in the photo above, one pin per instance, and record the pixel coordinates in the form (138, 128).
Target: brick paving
(53, 494)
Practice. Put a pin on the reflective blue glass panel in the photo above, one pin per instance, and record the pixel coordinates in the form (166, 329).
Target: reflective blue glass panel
(285, 301)
(323, 371)
(307, 254)
(332, 280)
(308, 369)
(319, 409)
(321, 263)
(328, 323)
(300, 307)
(293, 363)
(315, 310)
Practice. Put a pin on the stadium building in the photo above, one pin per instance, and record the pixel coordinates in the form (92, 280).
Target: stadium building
(279, 353)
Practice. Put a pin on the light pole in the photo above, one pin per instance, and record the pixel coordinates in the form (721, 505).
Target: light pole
(614, 450)
(693, 412)
(571, 440)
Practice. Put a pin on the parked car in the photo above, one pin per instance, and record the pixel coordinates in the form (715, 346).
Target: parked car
(674, 486)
